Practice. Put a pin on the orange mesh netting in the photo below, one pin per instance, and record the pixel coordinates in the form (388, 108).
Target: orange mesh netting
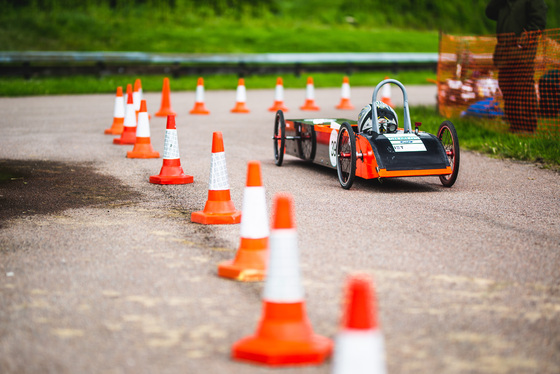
(512, 81)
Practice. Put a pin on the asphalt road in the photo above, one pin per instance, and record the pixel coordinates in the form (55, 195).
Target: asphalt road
(103, 272)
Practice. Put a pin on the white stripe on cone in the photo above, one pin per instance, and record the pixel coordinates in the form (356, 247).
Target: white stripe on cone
(345, 91)
(143, 128)
(118, 111)
(386, 91)
(199, 96)
(241, 96)
(359, 352)
(279, 93)
(218, 172)
(283, 280)
(130, 116)
(170, 145)
(254, 220)
(136, 100)
(310, 92)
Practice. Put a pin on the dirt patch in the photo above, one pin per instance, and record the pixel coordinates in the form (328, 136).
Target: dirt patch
(29, 187)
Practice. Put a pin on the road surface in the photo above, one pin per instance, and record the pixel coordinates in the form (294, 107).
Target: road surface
(103, 272)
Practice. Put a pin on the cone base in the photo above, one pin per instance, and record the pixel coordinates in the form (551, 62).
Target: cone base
(278, 105)
(309, 105)
(127, 137)
(387, 101)
(171, 179)
(240, 108)
(282, 353)
(216, 218)
(199, 108)
(345, 104)
(112, 131)
(142, 154)
(250, 262)
(165, 113)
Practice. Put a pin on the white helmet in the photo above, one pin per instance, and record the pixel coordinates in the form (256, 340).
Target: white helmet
(386, 117)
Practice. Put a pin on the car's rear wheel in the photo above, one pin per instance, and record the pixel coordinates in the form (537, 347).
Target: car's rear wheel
(448, 137)
(279, 137)
(346, 155)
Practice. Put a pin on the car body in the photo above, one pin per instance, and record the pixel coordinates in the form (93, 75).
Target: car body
(337, 143)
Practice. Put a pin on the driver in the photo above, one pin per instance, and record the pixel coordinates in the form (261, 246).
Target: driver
(386, 117)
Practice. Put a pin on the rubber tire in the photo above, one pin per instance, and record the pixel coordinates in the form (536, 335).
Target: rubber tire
(346, 134)
(279, 137)
(307, 143)
(450, 142)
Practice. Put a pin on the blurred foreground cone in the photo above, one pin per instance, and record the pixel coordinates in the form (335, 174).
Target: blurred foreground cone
(386, 94)
(165, 108)
(284, 334)
(118, 115)
(345, 95)
(128, 135)
(143, 145)
(241, 98)
(219, 208)
(250, 261)
(309, 96)
(171, 171)
(278, 97)
(199, 106)
(359, 344)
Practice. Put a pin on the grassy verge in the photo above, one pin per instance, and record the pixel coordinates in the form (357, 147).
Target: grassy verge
(108, 84)
(484, 137)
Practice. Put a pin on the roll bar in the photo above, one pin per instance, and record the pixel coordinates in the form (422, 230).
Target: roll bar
(407, 125)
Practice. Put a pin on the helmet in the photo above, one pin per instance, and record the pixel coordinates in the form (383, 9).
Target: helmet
(386, 117)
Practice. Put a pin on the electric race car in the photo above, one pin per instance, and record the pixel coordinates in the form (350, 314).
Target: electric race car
(370, 148)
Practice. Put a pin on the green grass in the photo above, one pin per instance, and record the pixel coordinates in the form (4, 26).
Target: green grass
(152, 83)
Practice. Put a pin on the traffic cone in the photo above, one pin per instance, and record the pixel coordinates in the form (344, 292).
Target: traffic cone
(136, 96)
(278, 97)
(241, 98)
(171, 171)
(219, 208)
(143, 146)
(199, 106)
(250, 262)
(386, 94)
(118, 115)
(165, 108)
(128, 135)
(309, 96)
(359, 344)
(284, 335)
(345, 95)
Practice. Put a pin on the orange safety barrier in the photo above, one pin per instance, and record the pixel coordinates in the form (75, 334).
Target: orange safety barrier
(512, 82)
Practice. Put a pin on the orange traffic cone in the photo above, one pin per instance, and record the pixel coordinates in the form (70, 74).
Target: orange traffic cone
(143, 146)
(199, 106)
(278, 97)
(284, 335)
(386, 94)
(128, 135)
(309, 96)
(345, 95)
(359, 345)
(171, 171)
(219, 208)
(250, 262)
(136, 96)
(118, 115)
(241, 98)
(165, 108)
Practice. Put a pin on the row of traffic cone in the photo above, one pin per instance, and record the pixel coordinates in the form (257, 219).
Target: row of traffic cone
(240, 104)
